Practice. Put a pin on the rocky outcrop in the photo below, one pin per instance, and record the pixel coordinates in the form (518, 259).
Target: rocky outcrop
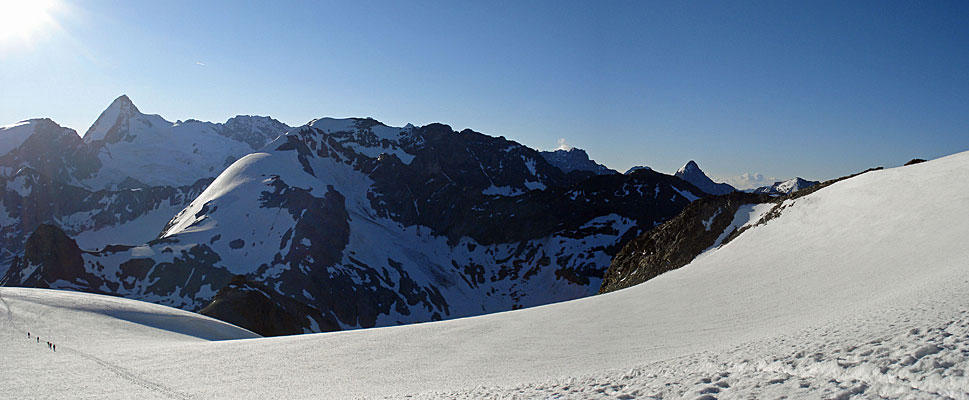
(676, 242)
(49, 255)
(260, 309)
(914, 161)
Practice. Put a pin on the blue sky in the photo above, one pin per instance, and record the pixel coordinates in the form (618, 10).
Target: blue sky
(814, 89)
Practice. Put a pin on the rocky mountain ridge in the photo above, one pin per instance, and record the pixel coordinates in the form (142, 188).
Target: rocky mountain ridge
(359, 224)
(575, 159)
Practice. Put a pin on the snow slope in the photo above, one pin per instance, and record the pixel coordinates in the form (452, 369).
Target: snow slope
(84, 327)
(858, 289)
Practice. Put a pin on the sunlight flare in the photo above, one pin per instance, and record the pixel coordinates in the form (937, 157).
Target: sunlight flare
(21, 20)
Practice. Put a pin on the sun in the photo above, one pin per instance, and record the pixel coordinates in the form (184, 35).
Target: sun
(23, 19)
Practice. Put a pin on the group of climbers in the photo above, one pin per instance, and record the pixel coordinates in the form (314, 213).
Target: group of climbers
(51, 346)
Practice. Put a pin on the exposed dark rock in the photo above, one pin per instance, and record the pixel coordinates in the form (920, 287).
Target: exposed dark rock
(257, 308)
(914, 161)
(676, 242)
(55, 256)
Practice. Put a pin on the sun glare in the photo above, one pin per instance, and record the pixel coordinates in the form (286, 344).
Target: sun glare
(21, 20)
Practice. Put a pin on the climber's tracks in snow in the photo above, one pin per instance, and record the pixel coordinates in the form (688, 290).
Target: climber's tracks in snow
(123, 373)
(133, 377)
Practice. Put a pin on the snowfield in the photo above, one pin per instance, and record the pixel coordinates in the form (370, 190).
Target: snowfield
(858, 290)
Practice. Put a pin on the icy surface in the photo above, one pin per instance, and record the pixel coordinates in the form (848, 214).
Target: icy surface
(858, 289)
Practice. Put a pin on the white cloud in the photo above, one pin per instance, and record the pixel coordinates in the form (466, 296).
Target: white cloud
(563, 145)
(200, 63)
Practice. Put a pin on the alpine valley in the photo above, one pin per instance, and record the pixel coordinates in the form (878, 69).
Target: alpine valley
(337, 224)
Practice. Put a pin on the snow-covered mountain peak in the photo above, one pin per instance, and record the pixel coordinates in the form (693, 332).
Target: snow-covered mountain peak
(112, 119)
(689, 167)
(328, 124)
(785, 187)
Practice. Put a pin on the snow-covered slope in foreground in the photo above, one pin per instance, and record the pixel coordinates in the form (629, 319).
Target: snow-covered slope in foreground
(89, 330)
(857, 289)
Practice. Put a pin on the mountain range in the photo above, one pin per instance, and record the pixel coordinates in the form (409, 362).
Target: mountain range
(336, 224)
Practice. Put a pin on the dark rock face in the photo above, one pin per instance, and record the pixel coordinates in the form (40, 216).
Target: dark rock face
(54, 254)
(575, 160)
(692, 173)
(914, 161)
(259, 309)
(676, 242)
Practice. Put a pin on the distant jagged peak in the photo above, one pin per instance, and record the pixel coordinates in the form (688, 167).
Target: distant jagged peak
(692, 173)
(690, 167)
(575, 159)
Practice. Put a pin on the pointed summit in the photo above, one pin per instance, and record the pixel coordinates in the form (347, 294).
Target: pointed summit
(688, 168)
(111, 119)
(692, 173)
